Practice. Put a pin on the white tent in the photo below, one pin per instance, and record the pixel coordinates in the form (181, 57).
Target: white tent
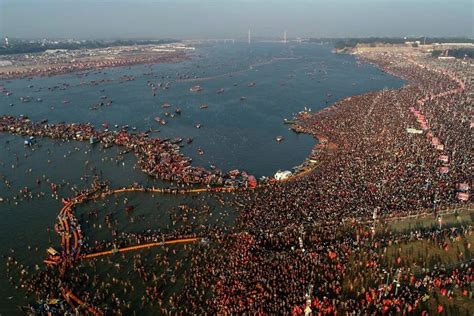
(282, 175)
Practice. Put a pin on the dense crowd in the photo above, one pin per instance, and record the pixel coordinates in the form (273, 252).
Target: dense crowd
(157, 157)
(374, 168)
(304, 244)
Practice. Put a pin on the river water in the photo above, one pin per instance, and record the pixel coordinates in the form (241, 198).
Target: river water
(235, 134)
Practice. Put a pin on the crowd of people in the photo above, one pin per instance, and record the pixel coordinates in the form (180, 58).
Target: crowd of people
(376, 168)
(304, 245)
(157, 157)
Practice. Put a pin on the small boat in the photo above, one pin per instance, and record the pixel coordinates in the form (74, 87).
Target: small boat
(204, 106)
(166, 105)
(176, 141)
(198, 125)
(189, 140)
(105, 125)
(196, 89)
(177, 111)
(243, 98)
(221, 90)
(200, 151)
(252, 84)
(279, 138)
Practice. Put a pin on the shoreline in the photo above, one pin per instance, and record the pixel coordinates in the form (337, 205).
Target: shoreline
(302, 121)
(27, 69)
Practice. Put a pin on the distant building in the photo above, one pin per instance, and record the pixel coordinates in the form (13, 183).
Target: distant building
(5, 63)
(55, 51)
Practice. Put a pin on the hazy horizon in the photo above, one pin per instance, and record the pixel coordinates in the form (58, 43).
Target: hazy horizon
(185, 19)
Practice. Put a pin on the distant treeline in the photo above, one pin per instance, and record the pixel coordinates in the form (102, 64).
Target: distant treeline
(352, 42)
(28, 47)
(456, 52)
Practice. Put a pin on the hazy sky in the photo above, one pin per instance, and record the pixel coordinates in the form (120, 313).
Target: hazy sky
(232, 18)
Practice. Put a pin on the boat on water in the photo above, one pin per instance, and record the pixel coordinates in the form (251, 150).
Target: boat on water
(252, 84)
(221, 90)
(279, 138)
(243, 98)
(204, 106)
(176, 141)
(198, 125)
(159, 120)
(166, 105)
(195, 89)
(189, 140)
(177, 111)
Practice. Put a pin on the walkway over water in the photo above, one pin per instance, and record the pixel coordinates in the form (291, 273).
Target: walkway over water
(139, 247)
